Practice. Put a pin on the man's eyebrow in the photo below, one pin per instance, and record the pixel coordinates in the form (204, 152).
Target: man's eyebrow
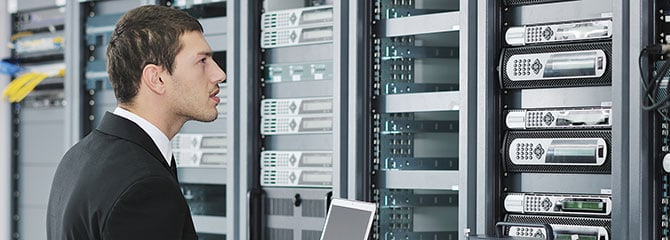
(209, 54)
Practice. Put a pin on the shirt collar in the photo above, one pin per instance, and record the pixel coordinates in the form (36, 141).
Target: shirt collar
(160, 139)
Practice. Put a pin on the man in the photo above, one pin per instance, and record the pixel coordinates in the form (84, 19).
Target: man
(120, 182)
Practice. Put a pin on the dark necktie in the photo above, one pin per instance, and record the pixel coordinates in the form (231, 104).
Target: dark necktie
(173, 168)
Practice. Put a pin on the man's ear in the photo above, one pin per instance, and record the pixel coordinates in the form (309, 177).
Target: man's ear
(151, 78)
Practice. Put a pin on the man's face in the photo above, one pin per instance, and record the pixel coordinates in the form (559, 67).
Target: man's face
(193, 85)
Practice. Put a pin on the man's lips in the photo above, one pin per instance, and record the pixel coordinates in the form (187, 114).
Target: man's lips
(214, 97)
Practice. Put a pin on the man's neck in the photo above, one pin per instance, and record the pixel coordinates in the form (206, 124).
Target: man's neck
(170, 127)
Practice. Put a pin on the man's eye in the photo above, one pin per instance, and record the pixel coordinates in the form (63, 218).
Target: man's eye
(203, 60)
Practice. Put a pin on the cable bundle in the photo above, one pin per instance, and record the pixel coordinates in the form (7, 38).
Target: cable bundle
(18, 89)
(654, 98)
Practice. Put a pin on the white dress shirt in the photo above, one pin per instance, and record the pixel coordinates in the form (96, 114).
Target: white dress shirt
(161, 141)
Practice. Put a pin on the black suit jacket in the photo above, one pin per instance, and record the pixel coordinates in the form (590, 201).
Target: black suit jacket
(115, 184)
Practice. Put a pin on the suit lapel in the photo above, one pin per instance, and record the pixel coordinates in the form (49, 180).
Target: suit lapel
(123, 128)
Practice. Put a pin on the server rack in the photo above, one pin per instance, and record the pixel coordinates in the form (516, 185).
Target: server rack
(296, 115)
(422, 94)
(38, 119)
(516, 42)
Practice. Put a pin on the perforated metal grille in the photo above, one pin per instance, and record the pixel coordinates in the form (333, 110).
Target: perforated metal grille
(313, 208)
(279, 206)
(311, 235)
(280, 234)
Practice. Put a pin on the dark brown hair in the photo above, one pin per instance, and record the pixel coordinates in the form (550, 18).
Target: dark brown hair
(145, 35)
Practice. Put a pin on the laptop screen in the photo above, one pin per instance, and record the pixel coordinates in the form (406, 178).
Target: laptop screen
(349, 220)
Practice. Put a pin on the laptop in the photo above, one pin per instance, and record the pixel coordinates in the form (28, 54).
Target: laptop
(348, 219)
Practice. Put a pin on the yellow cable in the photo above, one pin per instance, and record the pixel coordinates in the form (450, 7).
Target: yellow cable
(27, 88)
(18, 89)
(20, 35)
(15, 85)
(58, 40)
(61, 73)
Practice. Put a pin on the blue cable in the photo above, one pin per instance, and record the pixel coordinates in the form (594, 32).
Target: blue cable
(9, 68)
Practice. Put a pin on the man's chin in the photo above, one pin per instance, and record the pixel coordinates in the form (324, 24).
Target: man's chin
(207, 118)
